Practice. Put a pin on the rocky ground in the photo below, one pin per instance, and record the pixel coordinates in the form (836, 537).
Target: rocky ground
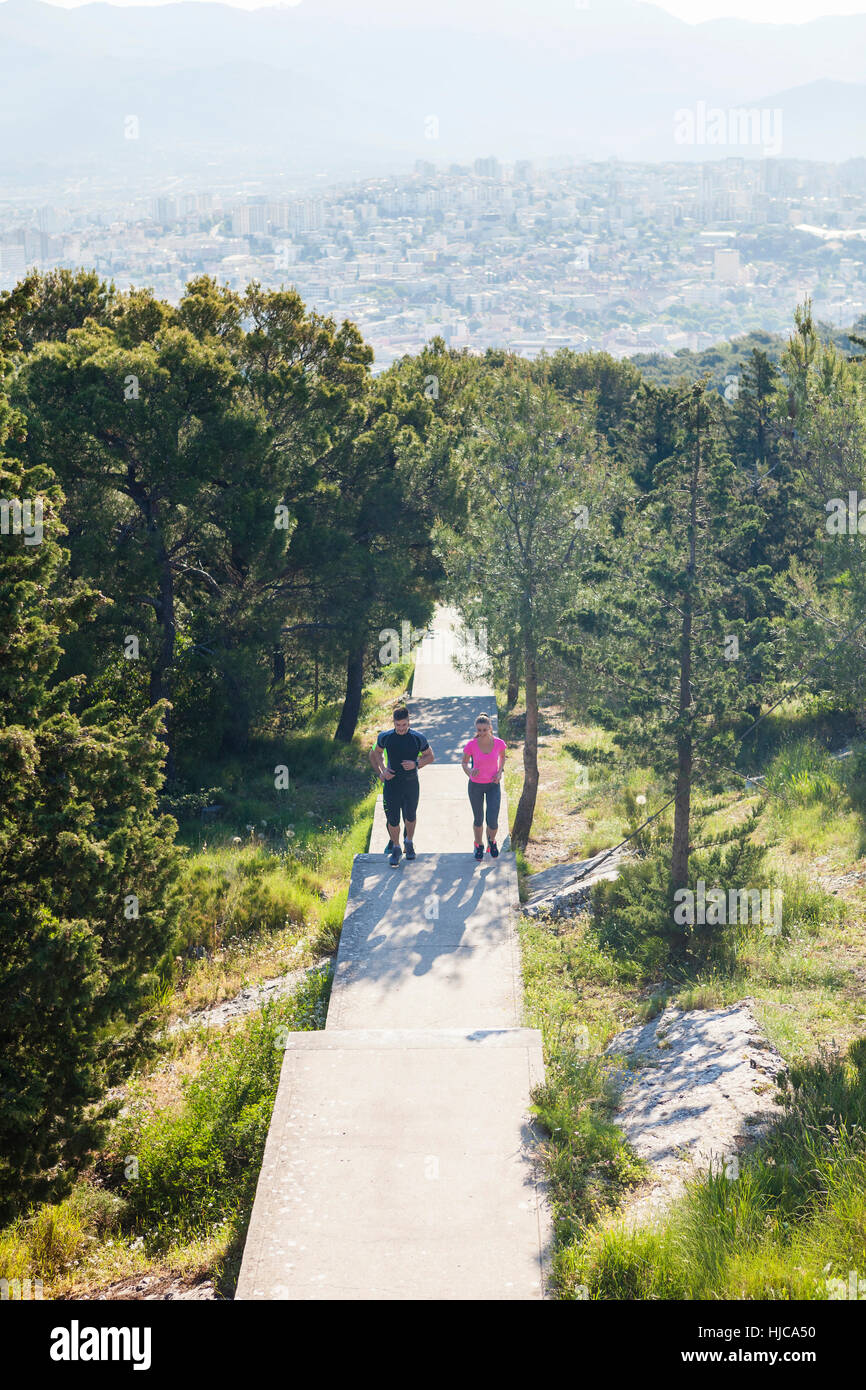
(564, 889)
(153, 1288)
(698, 1089)
(247, 1000)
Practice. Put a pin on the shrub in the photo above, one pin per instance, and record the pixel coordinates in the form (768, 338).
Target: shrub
(588, 1160)
(803, 773)
(45, 1243)
(198, 1167)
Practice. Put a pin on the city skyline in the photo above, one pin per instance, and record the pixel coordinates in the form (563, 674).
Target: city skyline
(625, 258)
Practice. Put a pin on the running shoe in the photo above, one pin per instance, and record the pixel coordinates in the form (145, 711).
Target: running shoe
(479, 851)
(494, 849)
(408, 849)
(396, 855)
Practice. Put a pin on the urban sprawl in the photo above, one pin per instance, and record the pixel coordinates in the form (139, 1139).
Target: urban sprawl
(628, 258)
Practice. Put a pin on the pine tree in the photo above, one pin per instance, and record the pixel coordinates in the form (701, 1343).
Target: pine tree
(539, 485)
(86, 865)
(824, 451)
(153, 452)
(667, 626)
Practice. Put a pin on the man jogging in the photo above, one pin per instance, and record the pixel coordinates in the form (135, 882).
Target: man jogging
(407, 751)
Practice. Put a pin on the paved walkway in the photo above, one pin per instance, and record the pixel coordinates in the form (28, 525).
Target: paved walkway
(400, 1162)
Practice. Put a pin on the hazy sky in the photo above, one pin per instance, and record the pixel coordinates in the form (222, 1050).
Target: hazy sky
(768, 11)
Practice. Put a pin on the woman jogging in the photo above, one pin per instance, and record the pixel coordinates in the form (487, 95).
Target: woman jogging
(486, 755)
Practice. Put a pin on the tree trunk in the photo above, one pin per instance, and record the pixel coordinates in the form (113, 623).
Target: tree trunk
(683, 790)
(238, 738)
(526, 805)
(160, 673)
(682, 811)
(513, 680)
(354, 690)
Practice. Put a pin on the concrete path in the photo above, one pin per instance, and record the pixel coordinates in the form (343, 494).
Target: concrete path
(429, 945)
(401, 1160)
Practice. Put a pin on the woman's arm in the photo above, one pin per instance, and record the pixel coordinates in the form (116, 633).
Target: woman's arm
(465, 764)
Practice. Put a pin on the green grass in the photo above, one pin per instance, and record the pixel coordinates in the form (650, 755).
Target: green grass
(232, 890)
(177, 1182)
(760, 1236)
(603, 788)
(790, 1222)
(52, 1240)
(264, 883)
(816, 801)
(588, 1163)
(809, 719)
(200, 1166)
(264, 889)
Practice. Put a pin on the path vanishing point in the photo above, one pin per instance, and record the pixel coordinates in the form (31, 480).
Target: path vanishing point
(401, 1162)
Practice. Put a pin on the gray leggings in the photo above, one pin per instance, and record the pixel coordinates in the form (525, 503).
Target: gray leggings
(477, 792)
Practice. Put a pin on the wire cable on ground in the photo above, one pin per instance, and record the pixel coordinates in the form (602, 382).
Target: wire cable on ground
(594, 863)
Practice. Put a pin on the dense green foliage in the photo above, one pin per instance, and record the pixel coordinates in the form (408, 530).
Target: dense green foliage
(237, 499)
(236, 510)
(244, 494)
(537, 516)
(86, 863)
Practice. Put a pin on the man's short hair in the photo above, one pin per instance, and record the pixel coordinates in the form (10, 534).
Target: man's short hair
(401, 712)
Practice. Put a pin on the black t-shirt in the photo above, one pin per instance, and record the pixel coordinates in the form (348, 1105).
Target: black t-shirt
(398, 747)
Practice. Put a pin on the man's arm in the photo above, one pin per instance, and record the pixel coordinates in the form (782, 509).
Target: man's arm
(428, 756)
(377, 758)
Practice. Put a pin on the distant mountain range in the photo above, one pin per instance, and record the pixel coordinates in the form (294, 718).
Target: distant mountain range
(338, 86)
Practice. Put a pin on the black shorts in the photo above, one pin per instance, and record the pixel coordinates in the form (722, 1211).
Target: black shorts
(400, 795)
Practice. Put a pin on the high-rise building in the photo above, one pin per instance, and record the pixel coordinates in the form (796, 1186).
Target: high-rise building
(250, 220)
(164, 211)
(13, 260)
(306, 215)
(726, 266)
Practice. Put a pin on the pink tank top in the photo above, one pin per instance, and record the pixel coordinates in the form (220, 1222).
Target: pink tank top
(485, 765)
